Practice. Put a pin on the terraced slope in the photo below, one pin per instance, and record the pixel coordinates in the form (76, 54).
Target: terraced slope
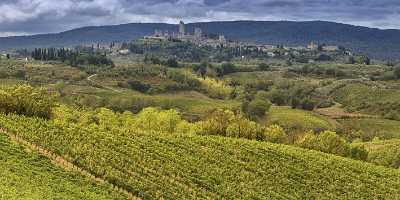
(26, 175)
(157, 166)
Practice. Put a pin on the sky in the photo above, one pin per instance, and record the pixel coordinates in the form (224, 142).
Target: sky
(26, 17)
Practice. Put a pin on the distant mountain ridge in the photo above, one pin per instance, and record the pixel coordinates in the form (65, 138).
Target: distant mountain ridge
(377, 43)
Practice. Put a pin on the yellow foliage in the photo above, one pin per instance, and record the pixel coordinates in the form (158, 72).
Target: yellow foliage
(275, 134)
(153, 119)
(241, 127)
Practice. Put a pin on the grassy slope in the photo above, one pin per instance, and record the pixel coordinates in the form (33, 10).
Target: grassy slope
(359, 97)
(191, 103)
(26, 175)
(387, 128)
(385, 152)
(299, 120)
(187, 167)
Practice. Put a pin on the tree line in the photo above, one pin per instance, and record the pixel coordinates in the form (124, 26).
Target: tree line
(71, 56)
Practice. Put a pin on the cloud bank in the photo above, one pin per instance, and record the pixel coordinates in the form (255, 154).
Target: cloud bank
(18, 17)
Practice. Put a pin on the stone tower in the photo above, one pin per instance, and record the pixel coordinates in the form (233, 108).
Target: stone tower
(182, 30)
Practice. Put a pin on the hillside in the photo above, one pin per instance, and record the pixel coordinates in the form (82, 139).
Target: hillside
(184, 166)
(26, 175)
(375, 42)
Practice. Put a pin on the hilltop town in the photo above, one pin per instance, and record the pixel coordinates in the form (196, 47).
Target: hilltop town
(198, 37)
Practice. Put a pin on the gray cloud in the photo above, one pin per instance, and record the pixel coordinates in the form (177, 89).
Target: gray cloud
(42, 16)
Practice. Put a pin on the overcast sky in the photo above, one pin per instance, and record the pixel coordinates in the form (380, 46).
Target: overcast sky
(19, 17)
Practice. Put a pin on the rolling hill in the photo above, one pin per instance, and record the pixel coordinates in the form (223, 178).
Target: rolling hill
(185, 166)
(375, 42)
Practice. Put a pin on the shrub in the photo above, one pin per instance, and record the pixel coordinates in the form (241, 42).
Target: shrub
(241, 127)
(172, 62)
(308, 104)
(258, 107)
(358, 152)
(327, 141)
(187, 128)
(153, 119)
(227, 68)
(275, 134)
(217, 123)
(264, 67)
(26, 100)
(396, 71)
(139, 86)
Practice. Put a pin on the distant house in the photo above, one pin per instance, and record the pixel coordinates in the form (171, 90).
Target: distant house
(313, 46)
(330, 48)
(158, 38)
(124, 51)
(271, 54)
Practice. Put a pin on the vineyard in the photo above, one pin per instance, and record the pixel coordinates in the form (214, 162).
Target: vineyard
(26, 175)
(184, 166)
(299, 120)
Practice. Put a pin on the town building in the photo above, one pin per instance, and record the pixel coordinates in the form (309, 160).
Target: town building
(330, 48)
(313, 46)
(182, 29)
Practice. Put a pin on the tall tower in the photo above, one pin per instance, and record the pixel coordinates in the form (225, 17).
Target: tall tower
(181, 28)
(198, 33)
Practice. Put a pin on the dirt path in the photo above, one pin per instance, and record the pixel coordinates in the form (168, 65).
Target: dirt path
(63, 163)
(337, 112)
(90, 79)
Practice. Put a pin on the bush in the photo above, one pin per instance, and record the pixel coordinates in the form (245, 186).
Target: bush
(275, 134)
(26, 100)
(172, 62)
(327, 141)
(358, 152)
(258, 107)
(217, 123)
(227, 68)
(139, 86)
(264, 67)
(241, 127)
(396, 71)
(308, 104)
(153, 119)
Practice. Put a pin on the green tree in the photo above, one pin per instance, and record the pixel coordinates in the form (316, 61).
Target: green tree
(351, 60)
(365, 60)
(172, 62)
(264, 67)
(397, 71)
(258, 107)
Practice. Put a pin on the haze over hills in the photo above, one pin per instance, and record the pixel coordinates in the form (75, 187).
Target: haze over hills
(377, 43)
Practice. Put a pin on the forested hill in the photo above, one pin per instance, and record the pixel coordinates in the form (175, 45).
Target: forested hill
(375, 42)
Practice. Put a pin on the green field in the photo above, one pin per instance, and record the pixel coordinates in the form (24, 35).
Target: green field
(171, 166)
(299, 120)
(27, 175)
(371, 126)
